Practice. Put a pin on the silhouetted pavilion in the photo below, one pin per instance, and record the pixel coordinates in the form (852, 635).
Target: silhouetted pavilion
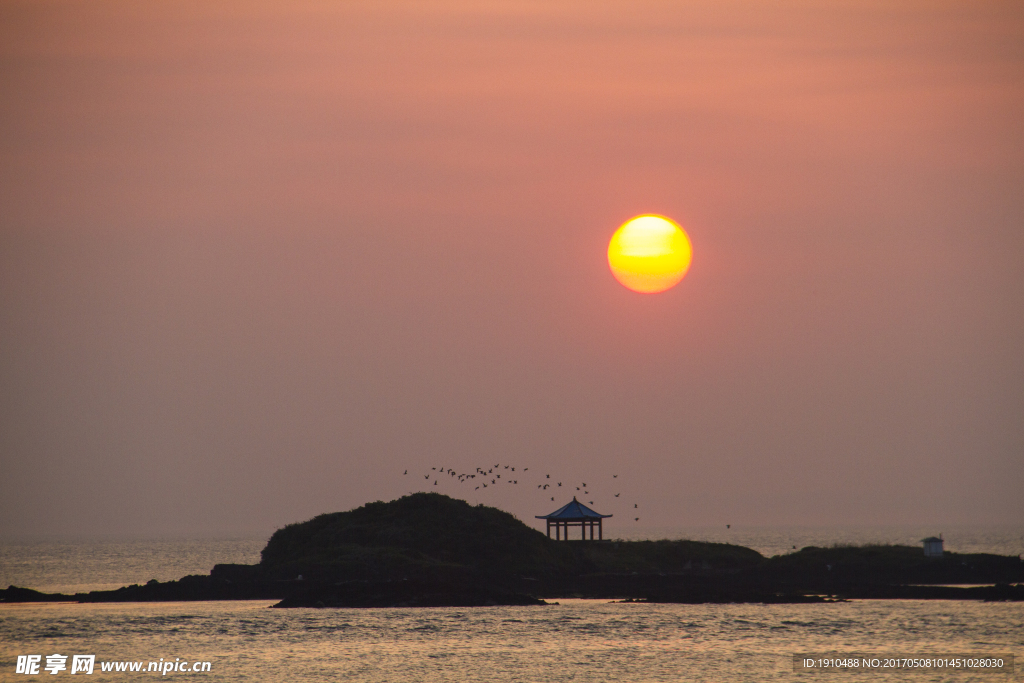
(574, 514)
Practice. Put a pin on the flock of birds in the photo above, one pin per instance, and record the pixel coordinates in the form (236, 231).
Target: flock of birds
(491, 477)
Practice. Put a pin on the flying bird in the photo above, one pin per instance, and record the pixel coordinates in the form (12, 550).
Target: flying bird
(616, 495)
(615, 476)
(636, 519)
(635, 505)
(406, 472)
(727, 526)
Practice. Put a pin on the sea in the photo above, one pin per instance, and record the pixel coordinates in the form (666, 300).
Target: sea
(573, 640)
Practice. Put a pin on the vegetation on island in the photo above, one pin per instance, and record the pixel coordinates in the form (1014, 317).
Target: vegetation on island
(427, 549)
(430, 535)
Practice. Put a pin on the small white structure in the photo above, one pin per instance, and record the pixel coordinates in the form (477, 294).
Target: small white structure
(932, 546)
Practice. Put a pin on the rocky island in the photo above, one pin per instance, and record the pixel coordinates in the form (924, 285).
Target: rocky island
(428, 549)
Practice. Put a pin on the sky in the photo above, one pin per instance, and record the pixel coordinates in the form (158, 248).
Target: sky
(259, 259)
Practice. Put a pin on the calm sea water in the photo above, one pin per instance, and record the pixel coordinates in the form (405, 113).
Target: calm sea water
(575, 641)
(578, 640)
(82, 566)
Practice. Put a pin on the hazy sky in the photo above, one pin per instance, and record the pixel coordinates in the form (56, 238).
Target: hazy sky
(259, 258)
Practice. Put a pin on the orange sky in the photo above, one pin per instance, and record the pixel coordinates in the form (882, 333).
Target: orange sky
(270, 254)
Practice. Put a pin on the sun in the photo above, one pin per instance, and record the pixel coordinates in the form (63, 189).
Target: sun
(649, 254)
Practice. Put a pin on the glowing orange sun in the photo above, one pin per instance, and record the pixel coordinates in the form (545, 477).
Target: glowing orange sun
(649, 254)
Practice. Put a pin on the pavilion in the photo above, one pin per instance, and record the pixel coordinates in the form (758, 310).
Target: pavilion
(574, 514)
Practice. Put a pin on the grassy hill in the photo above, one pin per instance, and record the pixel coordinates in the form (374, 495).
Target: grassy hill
(428, 535)
(853, 564)
(424, 535)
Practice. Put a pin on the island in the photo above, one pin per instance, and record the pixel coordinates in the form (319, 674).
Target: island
(430, 550)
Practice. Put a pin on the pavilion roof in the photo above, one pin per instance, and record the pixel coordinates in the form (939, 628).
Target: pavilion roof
(573, 511)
